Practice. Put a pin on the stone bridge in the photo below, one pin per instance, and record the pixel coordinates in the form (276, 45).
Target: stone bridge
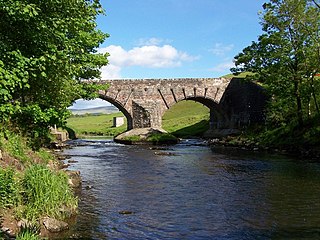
(232, 102)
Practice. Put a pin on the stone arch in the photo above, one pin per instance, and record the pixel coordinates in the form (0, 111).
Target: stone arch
(121, 108)
(217, 115)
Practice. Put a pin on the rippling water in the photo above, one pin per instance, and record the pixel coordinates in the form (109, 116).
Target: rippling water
(193, 192)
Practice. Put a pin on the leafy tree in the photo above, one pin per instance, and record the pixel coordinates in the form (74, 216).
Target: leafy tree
(46, 48)
(286, 59)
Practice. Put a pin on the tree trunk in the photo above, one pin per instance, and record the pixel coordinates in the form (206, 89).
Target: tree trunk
(299, 103)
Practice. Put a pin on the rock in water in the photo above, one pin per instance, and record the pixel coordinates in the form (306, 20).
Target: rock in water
(126, 212)
(54, 225)
(74, 179)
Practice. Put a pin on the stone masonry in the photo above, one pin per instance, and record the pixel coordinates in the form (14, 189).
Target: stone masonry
(144, 101)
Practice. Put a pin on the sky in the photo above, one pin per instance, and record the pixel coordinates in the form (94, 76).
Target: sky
(175, 38)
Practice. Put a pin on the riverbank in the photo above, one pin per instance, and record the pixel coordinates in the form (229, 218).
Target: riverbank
(36, 195)
(250, 144)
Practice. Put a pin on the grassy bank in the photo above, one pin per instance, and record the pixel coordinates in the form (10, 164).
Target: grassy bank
(184, 119)
(31, 186)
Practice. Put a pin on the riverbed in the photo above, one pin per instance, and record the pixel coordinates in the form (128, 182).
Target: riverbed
(193, 191)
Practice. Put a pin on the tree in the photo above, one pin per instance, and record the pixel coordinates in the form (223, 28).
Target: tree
(46, 48)
(316, 3)
(286, 58)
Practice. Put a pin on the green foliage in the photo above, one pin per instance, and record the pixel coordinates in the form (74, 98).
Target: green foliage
(46, 49)
(286, 59)
(9, 191)
(46, 193)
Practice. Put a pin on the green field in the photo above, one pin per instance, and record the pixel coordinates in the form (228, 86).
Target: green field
(95, 125)
(184, 119)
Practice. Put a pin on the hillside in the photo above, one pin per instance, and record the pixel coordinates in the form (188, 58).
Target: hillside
(97, 110)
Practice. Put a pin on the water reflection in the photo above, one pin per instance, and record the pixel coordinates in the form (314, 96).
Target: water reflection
(197, 193)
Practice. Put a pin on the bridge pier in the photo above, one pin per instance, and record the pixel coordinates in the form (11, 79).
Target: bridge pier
(146, 114)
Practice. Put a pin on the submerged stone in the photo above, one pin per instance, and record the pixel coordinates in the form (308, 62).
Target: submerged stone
(54, 225)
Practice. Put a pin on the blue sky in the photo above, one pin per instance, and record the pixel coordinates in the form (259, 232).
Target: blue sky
(175, 38)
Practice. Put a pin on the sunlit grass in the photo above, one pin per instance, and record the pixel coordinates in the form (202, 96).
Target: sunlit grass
(186, 118)
(46, 192)
(96, 125)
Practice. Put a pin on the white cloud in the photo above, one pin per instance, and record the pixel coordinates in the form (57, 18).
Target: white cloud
(110, 72)
(223, 67)
(151, 42)
(86, 104)
(220, 50)
(150, 56)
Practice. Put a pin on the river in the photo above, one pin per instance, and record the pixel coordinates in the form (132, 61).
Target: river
(193, 191)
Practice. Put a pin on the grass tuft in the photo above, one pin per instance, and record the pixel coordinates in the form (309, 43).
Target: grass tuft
(45, 193)
(27, 234)
(9, 189)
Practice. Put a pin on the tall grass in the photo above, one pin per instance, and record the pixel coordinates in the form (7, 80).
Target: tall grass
(9, 189)
(27, 234)
(46, 193)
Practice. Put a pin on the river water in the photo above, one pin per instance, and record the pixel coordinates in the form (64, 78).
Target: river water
(193, 191)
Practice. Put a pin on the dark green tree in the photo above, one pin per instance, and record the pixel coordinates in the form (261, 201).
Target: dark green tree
(46, 49)
(286, 59)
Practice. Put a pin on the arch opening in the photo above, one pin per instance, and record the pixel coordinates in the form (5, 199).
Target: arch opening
(121, 109)
(193, 116)
(98, 117)
(186, 119)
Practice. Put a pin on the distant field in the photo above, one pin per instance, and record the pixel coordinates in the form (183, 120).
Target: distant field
(184, 119)
(95, 125)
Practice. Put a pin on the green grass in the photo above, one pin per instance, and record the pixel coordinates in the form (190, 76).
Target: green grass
(95, 125)
(46, 193)
(241, 75)
(186, 119)
(162, 138)
(27, 234)
(9, 188)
